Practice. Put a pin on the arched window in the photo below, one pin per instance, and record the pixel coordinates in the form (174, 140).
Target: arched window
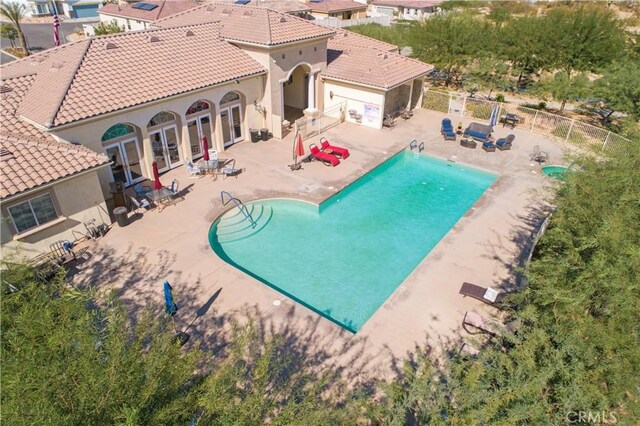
(161, 117)
(198, 107)
(117, 131)
(229, 97)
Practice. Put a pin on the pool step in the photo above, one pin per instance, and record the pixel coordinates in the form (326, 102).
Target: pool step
(230, 229)
(234, 216)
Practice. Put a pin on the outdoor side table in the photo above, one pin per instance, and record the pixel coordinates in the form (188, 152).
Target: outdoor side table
(468, 143)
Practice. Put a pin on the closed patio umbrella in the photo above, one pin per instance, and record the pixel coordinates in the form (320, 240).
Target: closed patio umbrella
(205, 149)
(298, 151)
(156, 176)
(493, 118)
(170, 307)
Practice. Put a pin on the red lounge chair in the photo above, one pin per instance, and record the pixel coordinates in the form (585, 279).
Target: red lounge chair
(335, 150)
(327, 159)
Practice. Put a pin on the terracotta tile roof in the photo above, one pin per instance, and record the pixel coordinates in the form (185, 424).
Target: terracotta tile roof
(372, 67)
(344, 38)
(13, 90)
(28, 163)
(109, 73)
(165, 8)
(282, 6)
(415, 4)
(249, 24)
(327, 6)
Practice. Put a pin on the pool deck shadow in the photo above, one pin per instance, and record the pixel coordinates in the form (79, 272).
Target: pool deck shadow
(425, 311)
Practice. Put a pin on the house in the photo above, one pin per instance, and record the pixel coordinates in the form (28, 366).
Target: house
(207, 74)
(405, 9)
(291, 7)
(140, 15)
(340, 9)
(76, 9)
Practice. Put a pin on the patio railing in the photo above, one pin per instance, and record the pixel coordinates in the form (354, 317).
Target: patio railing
(564, 129)
(309, 126)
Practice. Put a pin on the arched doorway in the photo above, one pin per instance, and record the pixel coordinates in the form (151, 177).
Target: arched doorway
(298, 92)
(163, 134)
(199, 125)
(231, 118)
(122, 146)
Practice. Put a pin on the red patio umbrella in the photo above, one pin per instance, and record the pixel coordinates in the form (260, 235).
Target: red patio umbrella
(156, 176)
(205, 149)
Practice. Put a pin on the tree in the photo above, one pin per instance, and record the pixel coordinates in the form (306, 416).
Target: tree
(68, 358)
(561, 88)
(450, 42)
(103, 28)
(9, 31)
(15, 13)
(619, 89)
(582, 39)
(520, 43)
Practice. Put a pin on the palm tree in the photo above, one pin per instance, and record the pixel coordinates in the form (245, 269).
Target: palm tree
(15, 12)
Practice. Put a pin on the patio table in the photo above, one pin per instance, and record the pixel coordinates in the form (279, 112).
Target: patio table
(511, 120)
(163, 197)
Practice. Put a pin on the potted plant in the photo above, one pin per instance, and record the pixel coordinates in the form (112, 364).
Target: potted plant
(459, 127)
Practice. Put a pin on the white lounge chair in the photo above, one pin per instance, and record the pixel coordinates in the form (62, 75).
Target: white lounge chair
(193, 170)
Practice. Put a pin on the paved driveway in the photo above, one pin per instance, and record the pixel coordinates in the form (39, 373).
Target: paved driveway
(40, 37)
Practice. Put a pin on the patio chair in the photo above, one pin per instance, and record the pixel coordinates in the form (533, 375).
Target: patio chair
(230, 169)
(62, 252)
(488, 146)
(174, 188)
(138, 203)
(539, 156)
(504, 144)
(487, 295)
(193, 170)
(141, 190)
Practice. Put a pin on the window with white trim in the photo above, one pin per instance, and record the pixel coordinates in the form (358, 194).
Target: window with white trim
(33, 212)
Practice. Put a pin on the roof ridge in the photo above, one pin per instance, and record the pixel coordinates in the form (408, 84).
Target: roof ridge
(161, 7)
(49, 123)
(49, 144)
(269, 24)
(203, 6)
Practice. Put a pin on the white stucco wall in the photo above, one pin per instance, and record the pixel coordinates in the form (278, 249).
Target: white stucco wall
(77, 200)
(89, 132)
(127, 24)
(368, 102)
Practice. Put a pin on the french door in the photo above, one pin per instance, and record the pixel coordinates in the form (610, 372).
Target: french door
(198, 127)
(231, 119)
(166, 153)
(125, 161)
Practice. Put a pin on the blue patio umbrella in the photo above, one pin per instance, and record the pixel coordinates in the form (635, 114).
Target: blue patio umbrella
(170, 306)
(493, 118)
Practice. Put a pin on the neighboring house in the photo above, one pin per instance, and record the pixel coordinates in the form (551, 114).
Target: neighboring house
(48, 189)
(341, 9)
(75, 9)
(291, 7)
(37, 7)
(213, 71)
(405, 9)
(140, 15)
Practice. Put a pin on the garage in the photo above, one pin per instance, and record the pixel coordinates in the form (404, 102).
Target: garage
(85, 10)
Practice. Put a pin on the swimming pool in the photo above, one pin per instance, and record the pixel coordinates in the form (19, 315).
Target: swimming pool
(345, 257)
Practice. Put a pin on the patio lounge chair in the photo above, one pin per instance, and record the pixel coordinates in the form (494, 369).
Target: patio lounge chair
(487, 295)
(486, 325)
(62, 252)
(446, 129)
(327, 159)
(488, 146)
(539, 156)
(230, 169)
(138, 203)
(193, 170)
(332, 149)
(504, 144)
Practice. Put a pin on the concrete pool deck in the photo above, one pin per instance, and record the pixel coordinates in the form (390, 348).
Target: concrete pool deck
(423, 313)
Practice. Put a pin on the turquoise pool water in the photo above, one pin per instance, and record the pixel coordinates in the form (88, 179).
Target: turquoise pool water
(344, 258)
